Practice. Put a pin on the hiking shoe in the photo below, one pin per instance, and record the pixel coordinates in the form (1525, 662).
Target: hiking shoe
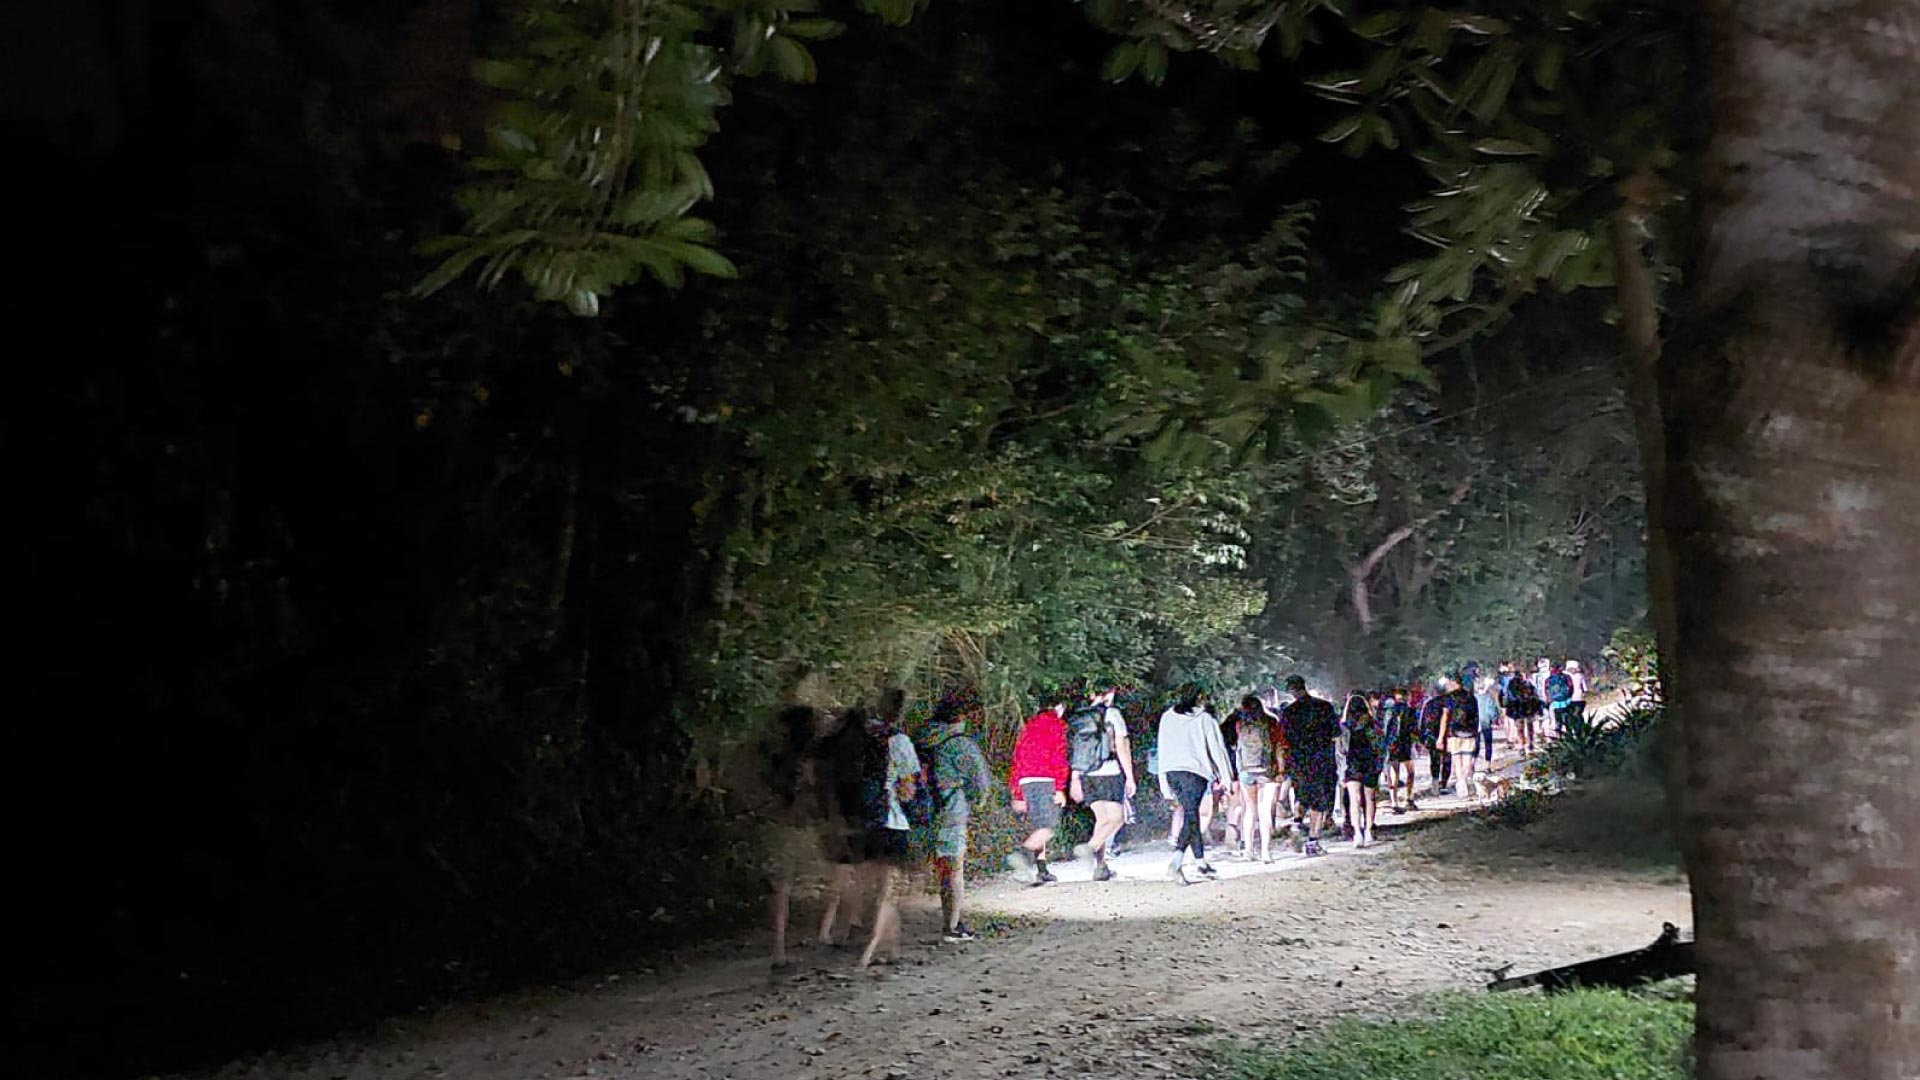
(1022, 863)
(1105, 873)
(959, 934)
(1313, 848)
(1044, 877)
(1206, 870)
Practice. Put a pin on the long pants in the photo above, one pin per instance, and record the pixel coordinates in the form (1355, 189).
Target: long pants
(1440, 764)
(1486, 744)
(1188, 790)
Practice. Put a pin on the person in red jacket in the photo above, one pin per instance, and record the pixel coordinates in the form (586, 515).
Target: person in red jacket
(1038, 779)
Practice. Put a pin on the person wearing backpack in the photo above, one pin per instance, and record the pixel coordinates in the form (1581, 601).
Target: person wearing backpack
(1577, 704)
(1462, 734)
(1100, 764)
(1523, 709)
(1559, 697)
(875, 773)
(1038, 779)
(958, 771)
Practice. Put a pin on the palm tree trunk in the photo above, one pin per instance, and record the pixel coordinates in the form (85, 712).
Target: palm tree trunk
(1792, 407)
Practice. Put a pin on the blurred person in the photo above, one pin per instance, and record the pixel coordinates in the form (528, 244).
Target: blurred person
(1193, 762)
(1038, 778)
(888, 843)
(795, 806)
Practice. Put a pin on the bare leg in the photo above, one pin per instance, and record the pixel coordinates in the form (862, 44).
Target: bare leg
(886, 918)
(838, 896)
(1107, 819)
(1353, 810)
(953, 890)
(1206, 815)
(1269, 798)
(777, 914)
(1463, 765)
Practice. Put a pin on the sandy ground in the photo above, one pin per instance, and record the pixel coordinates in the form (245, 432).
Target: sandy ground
(1132, 977)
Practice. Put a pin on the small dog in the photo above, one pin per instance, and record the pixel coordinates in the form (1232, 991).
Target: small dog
(1493, 788)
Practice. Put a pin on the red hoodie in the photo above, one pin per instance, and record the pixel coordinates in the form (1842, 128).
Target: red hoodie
(1041, 750)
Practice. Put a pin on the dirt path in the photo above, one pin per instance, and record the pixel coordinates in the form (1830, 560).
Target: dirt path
(1075, 979)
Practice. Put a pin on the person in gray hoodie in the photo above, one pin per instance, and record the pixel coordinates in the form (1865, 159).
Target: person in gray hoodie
(1193, 763)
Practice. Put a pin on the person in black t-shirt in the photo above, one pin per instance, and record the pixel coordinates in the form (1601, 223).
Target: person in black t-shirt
(1433, 714)
(1462, 735)
(1400, 731)
(1310, 727)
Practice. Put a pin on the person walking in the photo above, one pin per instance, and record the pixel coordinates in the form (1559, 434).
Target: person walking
(1362, 771)
(1310, 728)
(1577, 704)
(1038, 778)
(1461, 733)
(1559, 697)
(1523, 710)
(1487, 703)
(1399, 733)
(795, 808)
(1258, 735)
(1100, 761)
(1433, 736)
(960, 779)
(1193, 762)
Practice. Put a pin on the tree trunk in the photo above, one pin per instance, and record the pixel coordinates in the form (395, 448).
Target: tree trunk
(1792, 405)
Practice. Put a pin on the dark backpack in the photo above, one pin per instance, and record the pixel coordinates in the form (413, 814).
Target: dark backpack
(926, 788)
(859, 760)
(1559, 688)
(1089, 738)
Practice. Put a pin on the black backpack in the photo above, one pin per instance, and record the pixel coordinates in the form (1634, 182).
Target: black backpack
(1089, 738)
(859, 766)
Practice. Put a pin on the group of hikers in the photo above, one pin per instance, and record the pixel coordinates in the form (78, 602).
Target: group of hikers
(855, 788)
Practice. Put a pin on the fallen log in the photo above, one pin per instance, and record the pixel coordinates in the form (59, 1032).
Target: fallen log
(1667, 958)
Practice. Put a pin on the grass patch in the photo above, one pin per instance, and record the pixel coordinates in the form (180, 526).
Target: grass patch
(1586, 1035)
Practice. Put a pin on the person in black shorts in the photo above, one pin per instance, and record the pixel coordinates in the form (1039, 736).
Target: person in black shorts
(1310, 728)
(1364, 759)
(1399, 731)
(1106, 787)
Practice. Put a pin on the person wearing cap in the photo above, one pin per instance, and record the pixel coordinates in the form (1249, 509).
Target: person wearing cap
(1576, 706)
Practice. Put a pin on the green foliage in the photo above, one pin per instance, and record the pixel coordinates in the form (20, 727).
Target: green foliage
(1586, 747)
(592, 170)
(1530, 118)
(1583, 1035)
(1635, 659)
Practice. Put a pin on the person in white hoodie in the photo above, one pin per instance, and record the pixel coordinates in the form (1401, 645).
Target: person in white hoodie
(1193, 763)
